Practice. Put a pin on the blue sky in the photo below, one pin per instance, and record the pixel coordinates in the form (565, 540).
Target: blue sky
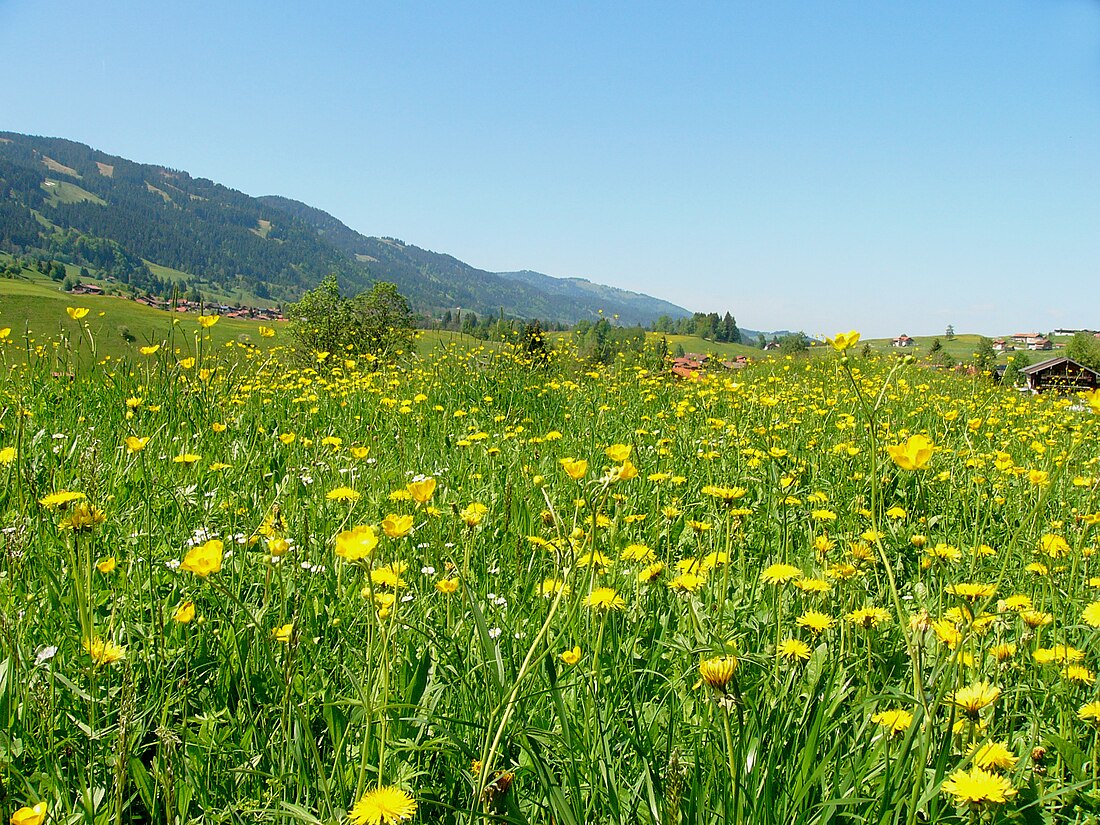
(885, 166)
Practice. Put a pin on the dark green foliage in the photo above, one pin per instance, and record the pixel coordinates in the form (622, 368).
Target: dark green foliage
(985, 359)
(1016, 362)
(793, 344)
(324, 321)
(1084, 349)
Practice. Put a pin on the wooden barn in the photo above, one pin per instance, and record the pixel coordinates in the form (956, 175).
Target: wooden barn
(1060, 374)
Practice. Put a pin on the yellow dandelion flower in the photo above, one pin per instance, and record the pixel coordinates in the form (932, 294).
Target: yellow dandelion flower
(383, 806)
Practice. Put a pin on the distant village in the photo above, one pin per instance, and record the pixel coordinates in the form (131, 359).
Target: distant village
(184, 305)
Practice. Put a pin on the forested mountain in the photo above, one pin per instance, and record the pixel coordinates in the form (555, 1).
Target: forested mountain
(65, 200)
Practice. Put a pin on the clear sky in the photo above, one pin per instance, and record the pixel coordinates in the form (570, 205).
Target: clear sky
(888, 165)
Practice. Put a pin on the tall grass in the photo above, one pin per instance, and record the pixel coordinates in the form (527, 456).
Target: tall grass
(306, 680)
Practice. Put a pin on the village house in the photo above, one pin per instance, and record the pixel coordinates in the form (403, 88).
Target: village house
(1026, 337)
(1060, 374)
(1000, 345)
(904, 341)
(1040, 344)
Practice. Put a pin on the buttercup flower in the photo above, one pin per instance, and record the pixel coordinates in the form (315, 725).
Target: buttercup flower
(204, 559)
(913, 454)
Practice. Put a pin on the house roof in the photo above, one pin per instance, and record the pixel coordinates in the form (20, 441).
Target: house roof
(1043, 366)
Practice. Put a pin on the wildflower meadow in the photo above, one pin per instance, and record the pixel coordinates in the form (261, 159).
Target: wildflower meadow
(465, 585)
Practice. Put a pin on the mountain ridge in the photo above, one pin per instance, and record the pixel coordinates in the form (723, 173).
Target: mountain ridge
(81, 205)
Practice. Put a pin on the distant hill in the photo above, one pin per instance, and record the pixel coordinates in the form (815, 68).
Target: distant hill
(155, 229)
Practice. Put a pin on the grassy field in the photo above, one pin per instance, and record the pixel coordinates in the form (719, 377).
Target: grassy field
(461, 587)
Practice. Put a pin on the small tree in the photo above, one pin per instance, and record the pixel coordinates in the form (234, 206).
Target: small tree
(949, 333)
(1084, 349)
(985, 358)
(383, 319)
(377, 322)
(1016, 363)
(793, 344)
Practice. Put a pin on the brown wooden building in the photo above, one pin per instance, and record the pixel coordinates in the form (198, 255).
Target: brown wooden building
(1060, 374)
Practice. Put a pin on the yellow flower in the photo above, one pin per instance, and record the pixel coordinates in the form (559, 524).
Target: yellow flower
(574, 468)
(104, 651)
(204, 559)
(287, 438)
(637, 552)
(978, 786)
(106, 565)
(422, 490)
(1091, 614)
(389, 575)
(187, 363)
(652, 571)
(995, 756)
(718, 671)
(4, 333)
(278, 546)
(473, 514)
(30, 815)
(727, 495)
(793, 649)
(1090, 712)
(551, 587)
(618, 452)
(1053, 546)
(780, 574)
(82, 518)
(815, 621)
(913, 454)
(187, 458)
(971, 590)
(396, 526)
(153, 350)
(184, 613)
(844, 340)
(134, 444)
(895, 721)
(76, 313)
(207, 321)
(868, 617)
(971, 699)
(604, 598)
(383, 806)
(344, 494)
(267, 332)
(687, 582)
(571, 657)
(7, 455)
(356, 543)
(447, 586)
(284, 633)
(1078, 673)
(58, 500)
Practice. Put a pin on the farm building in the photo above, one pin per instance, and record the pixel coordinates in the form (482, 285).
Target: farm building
(1063, 374)
(1040, 344)
(904, 341)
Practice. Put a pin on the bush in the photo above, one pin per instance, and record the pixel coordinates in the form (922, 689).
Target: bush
(376, 323)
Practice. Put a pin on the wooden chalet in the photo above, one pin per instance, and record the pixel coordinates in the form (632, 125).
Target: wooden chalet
(904, 341)
(1060, 375)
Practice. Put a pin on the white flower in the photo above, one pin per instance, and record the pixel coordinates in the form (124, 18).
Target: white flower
(428, 571)
(494, 632)
(45, 654)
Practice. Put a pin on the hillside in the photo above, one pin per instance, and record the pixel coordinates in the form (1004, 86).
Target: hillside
(135, 223)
